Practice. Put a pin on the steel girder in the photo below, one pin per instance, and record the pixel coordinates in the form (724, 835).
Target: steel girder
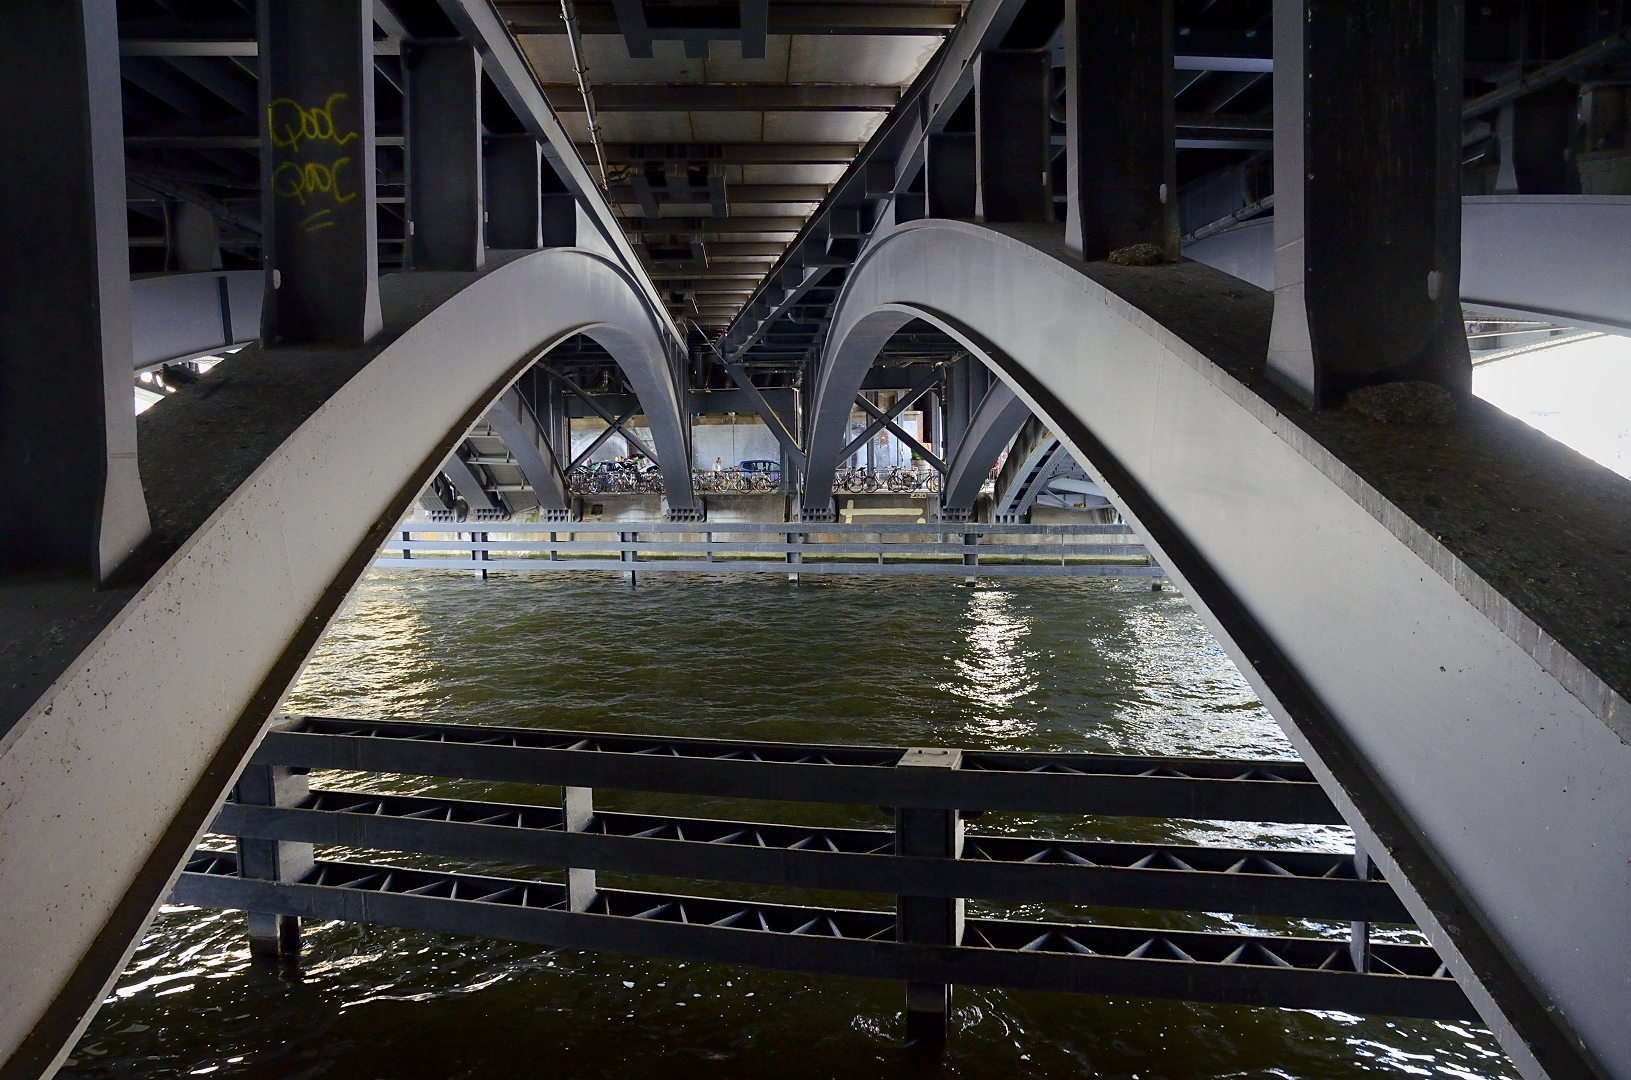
(1307, 973)
(1422, 697)
(125, 759)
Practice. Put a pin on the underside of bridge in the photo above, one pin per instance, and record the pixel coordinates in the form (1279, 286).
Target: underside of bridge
(1202, 270)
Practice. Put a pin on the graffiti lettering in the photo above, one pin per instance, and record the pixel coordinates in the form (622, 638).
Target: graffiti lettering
(292, 180)
(291, 123)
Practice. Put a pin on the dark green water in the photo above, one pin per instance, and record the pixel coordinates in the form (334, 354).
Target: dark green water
(1088, 665)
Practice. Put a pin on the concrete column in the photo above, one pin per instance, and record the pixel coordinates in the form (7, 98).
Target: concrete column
(948, 175)
(514, 204)
(446, 209)
(68, 475)
(270, 935)
(1367, 190)
(1012, 145)
(1120, 164)
(932, 920)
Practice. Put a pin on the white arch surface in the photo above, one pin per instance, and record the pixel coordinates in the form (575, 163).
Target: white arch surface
(119, 766)
(1442, 713)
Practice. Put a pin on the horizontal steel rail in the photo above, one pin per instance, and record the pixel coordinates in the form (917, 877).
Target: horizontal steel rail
(826, 528)
(1196, 788)
(1306, 973)
(893, 549)
(763, 566)
(1315, 885)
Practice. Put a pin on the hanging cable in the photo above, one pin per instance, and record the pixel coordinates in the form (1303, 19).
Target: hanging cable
(569, 15)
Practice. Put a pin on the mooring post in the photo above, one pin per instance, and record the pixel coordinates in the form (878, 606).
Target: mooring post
(1359, 937)
(971, 558)
(626, 554)
(578, 808)
(931, 920)
(273, 936)
(794, 558)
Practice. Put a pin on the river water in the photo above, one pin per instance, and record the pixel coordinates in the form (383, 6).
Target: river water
(1088, 665)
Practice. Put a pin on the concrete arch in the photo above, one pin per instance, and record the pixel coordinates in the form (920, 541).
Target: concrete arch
(109, 779)
(1234, 491)
(996, 421)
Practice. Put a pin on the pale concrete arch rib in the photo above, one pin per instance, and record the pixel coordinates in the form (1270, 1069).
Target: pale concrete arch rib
(1000, 415)
(111, 776)
(1417, 692)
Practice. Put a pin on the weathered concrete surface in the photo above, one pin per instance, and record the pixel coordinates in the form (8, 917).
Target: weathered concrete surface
(194, 449)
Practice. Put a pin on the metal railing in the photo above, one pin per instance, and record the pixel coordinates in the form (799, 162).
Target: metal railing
(928, 862)
(944, 548)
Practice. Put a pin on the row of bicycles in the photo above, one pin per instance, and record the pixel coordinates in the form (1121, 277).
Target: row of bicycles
(736, 482)
(629, 476)
(625, 476)
(897, 478)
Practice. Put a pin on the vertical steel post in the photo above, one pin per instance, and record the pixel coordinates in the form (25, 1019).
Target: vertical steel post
(319, 246)
(578, 808)
(513, 169)
(1367, 198)
(446, 200)
(971, 558)
(406, 536)
(948, 174)
(1359, 936)
(1120, 160)
(67, 423)
(273, 936)
(1012, 136)
(624, 555)
(795, 558)
(933, 920)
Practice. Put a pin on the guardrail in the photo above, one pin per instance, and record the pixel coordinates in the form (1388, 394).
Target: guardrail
(928, 862)
(943, 548)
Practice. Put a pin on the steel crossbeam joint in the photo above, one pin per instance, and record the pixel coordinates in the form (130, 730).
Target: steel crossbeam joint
(273, 936)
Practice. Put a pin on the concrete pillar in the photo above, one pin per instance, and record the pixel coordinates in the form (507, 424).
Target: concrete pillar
(446, 211)
(1120, 163)
(320, 248)
(514, 204)
(948, 175)
(1367, 189)
(273, 936)
(1012, 136)
(68, 475)
(931, 920)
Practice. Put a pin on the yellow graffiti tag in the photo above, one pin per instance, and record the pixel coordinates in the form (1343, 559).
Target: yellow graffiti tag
(291, 180)
(292, 123)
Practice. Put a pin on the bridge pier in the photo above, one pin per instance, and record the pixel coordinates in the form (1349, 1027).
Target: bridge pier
(319, 240)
